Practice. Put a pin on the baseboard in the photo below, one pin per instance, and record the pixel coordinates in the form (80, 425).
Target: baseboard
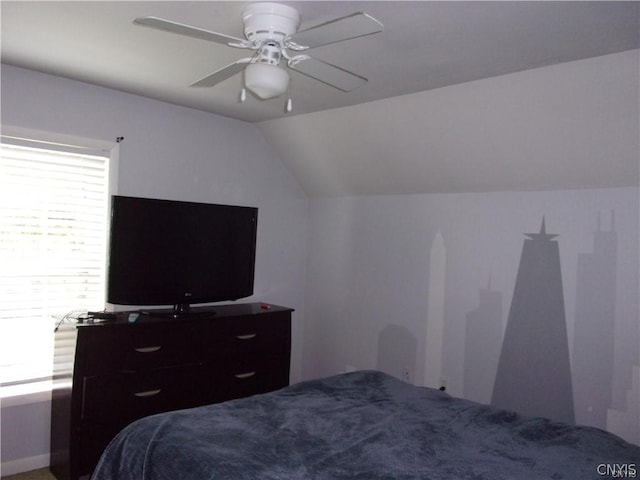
(13, 467)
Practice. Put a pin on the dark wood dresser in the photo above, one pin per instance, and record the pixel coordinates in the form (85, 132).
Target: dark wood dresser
(120, 370)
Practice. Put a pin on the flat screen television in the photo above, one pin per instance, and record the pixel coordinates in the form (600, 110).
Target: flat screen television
(175, 253)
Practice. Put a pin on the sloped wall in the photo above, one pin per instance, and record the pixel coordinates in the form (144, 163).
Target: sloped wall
(571, 125)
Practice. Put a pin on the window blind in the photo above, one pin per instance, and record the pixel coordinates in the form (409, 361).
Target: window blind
(53, 234)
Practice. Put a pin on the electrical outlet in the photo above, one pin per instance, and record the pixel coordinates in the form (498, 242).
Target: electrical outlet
(407, 375)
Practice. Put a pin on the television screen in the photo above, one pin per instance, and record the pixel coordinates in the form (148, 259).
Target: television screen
(165, 252)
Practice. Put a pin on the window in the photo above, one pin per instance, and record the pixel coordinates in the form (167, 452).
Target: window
(53, 233)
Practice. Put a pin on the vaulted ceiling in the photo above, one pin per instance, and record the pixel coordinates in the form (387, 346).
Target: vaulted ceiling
(425, 45)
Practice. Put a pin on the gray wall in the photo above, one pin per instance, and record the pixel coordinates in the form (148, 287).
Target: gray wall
(176, 153)
(369, 282)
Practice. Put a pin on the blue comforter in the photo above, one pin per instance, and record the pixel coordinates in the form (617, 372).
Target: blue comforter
(361, 425)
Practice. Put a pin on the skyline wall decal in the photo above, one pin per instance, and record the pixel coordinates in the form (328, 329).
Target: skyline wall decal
(423, 288)
(600, 385)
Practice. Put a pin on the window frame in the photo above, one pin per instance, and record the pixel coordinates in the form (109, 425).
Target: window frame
(40, 390)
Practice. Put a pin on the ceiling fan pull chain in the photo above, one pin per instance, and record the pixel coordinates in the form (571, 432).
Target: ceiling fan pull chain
(288, 106)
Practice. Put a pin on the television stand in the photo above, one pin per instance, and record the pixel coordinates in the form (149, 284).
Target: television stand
(106, 375)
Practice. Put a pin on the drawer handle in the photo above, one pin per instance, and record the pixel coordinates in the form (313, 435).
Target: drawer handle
(245, 375)
(155, 348)
(248, 336)
(148, 393)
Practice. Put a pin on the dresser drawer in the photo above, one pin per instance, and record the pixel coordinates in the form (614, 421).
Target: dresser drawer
(119, 399)
(246, 335)
(136, 347)
(242, 376)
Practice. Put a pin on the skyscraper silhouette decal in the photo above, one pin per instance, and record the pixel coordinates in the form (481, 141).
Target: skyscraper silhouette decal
(534, 373)
(483, 337)
(594, 328)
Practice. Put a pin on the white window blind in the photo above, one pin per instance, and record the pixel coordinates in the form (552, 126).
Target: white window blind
(53, 234)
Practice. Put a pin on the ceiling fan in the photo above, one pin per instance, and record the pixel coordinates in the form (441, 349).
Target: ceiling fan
(271, 31)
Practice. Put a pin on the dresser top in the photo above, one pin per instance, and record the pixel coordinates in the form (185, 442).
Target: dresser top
(209, 312)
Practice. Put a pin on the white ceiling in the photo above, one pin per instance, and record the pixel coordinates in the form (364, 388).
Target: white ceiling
(424, 45)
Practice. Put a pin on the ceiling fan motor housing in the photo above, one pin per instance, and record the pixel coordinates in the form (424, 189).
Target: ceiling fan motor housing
(267, 21)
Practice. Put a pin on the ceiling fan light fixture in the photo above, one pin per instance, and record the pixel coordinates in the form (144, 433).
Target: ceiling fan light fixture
(266, 81)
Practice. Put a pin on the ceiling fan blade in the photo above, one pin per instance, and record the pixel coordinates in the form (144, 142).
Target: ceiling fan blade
(189, 31)
(355, 25)
(222, 74)
(326, 73)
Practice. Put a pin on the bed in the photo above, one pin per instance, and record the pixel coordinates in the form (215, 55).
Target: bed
(361, 425)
